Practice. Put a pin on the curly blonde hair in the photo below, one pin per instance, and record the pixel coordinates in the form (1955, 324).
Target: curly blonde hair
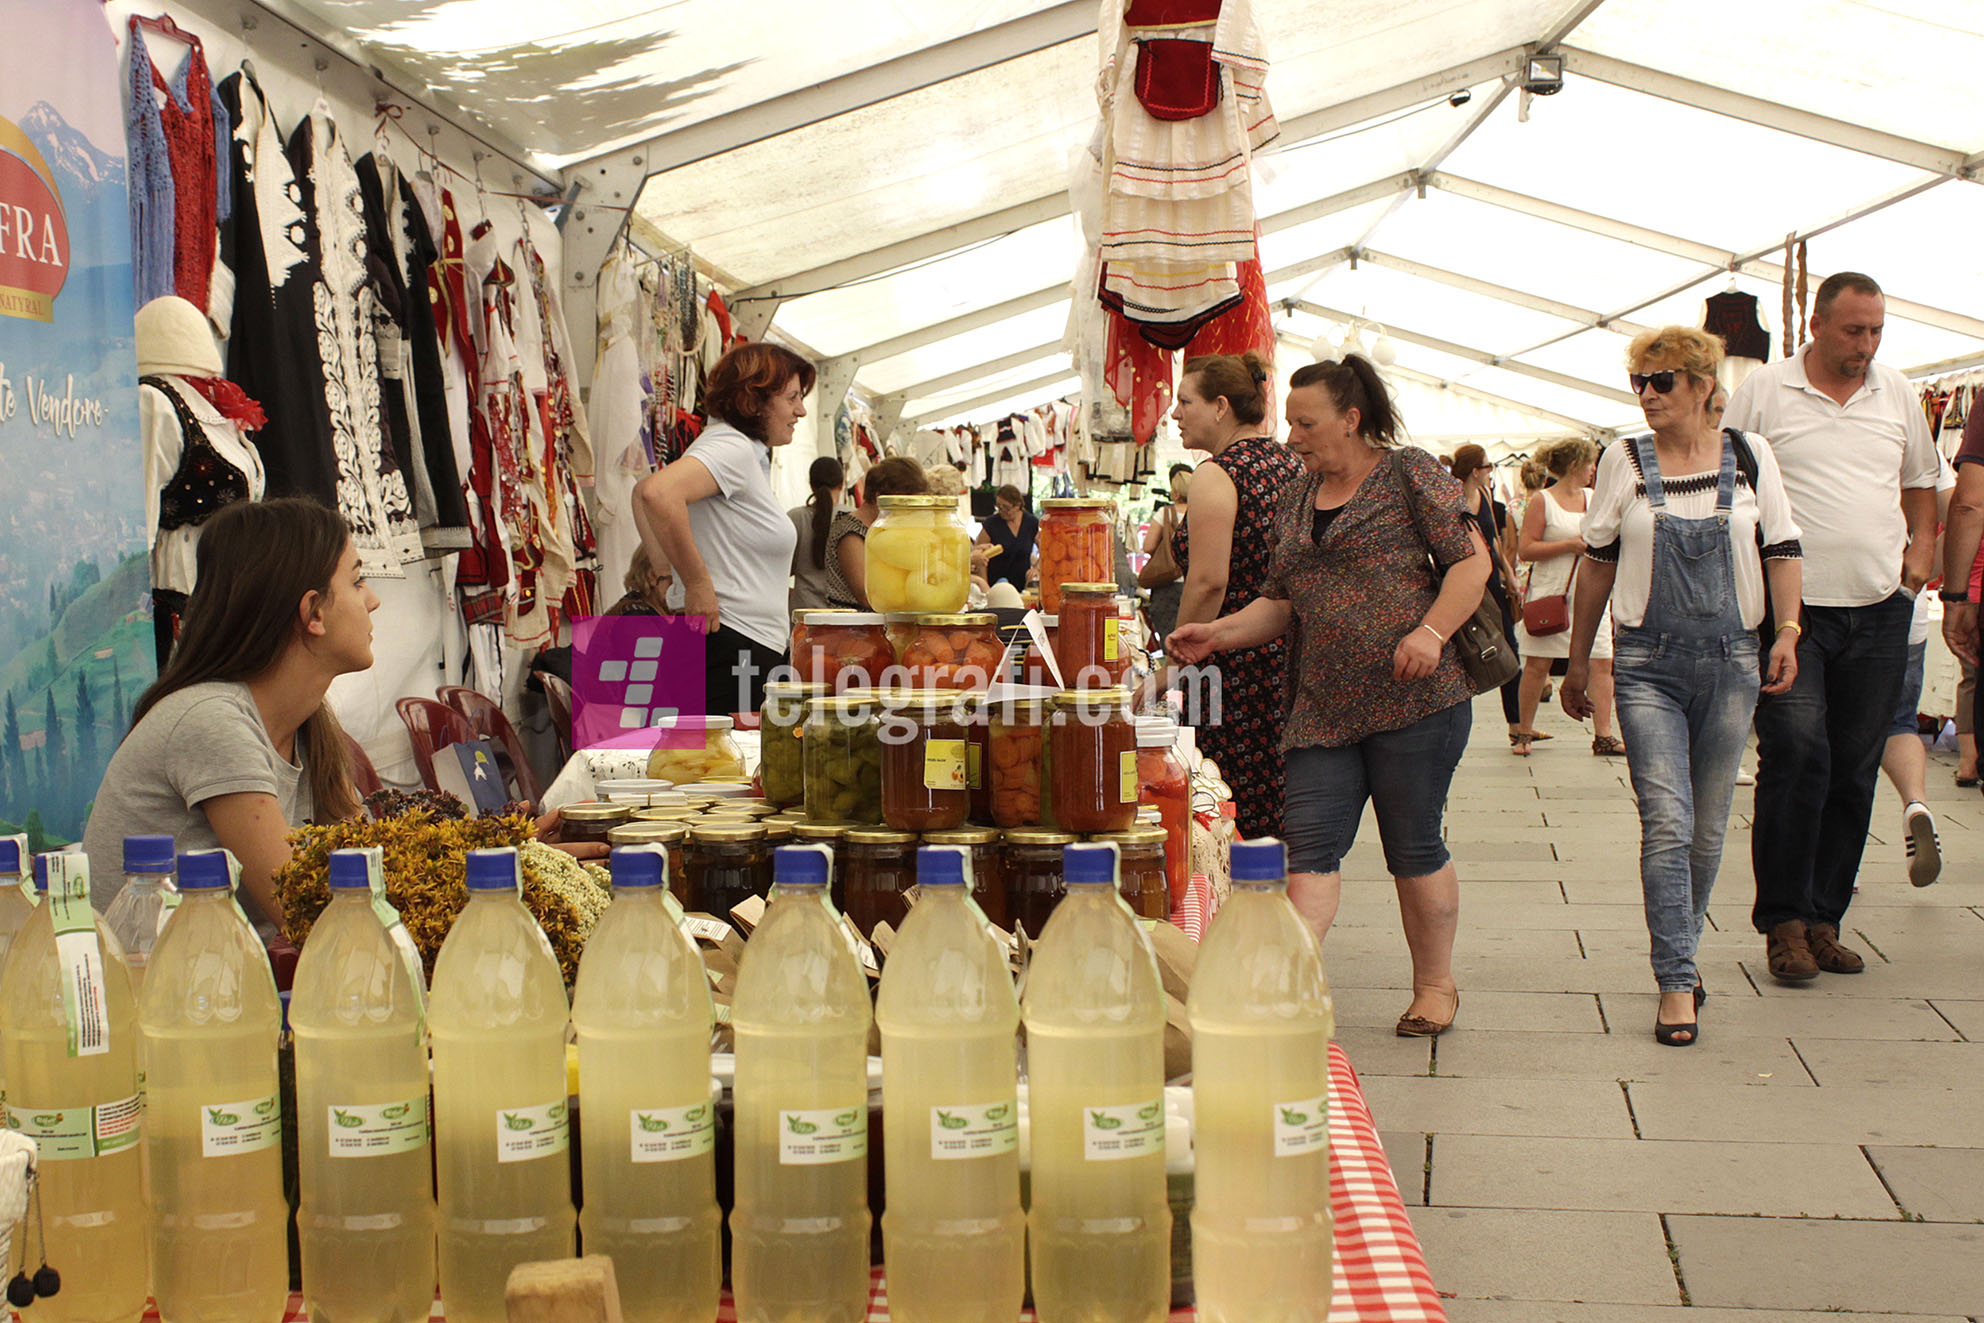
(1688, 348)
(1565, 457)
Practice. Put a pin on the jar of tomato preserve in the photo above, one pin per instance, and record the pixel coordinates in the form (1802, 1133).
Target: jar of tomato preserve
(1035, 880)
(988, 872)
(881, 866)
(1142, 880)
(1090, 646)
(1163, 784)
(1016, 727)
(726, 863)
(1077, 545)
(946, 651)
(841, 649)
(918, 555)
(781, 733)
(842, 755)
(926, 762)
(1092, 750)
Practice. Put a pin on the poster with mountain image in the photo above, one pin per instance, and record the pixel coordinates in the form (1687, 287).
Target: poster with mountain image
(75, 617)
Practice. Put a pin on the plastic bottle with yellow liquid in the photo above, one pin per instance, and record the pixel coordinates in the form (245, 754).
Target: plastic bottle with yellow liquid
(358, 1011)
(642, 1010)
(1100, 1220)
(209, 1020)
(799, 1228)
(136, 916)
(502, 1132)
(16, 894)
(69, 1055)
(1261, 1025)
(953, 1234)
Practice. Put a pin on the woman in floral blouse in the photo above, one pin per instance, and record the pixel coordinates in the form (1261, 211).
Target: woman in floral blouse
(1381, 704)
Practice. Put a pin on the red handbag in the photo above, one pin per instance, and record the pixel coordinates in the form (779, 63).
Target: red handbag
(1176, 79)
(1544, 616)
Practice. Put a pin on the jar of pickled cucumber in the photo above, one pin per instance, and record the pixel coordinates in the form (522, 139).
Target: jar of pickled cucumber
(781, 732)
(1092, 759)
(726, 864)
(842, 758)
(691, 749)
(918, 555)
(947, 651)
(1142, 881)
(881, 866)
(1035, 879)
(841, 649)
(1077, 545)
(988, 869)
(926, 760)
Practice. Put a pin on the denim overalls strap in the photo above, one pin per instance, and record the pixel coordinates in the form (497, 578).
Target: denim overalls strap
(1693, 593)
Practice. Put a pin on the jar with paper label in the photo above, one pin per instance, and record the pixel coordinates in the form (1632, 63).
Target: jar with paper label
(947, 651)
(841, 649)
(695, 749)
(926, 765)
(1035, 878)
(591, 823)
(1164, 784)
(1093, 753)
(881, 866)
(918, 555)
(988, 871)
(1092, 647)
(726, 864)
(670, 836)
(833, 835)
(842, 755)
(1016, 725)
(1077, 545)
(781, 731)
(1143, 883)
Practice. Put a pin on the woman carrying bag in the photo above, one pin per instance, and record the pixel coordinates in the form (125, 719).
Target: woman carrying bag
(1160, 574)
(1552, 539)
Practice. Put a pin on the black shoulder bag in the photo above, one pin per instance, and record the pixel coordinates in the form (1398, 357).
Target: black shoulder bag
(1484, 651)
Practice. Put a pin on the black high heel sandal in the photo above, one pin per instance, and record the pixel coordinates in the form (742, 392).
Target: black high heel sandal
(1668, 1035)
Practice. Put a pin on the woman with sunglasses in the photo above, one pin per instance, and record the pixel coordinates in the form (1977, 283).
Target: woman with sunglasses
(1672, 541)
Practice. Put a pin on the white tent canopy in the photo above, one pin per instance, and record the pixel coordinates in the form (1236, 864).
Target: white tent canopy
(889, 181)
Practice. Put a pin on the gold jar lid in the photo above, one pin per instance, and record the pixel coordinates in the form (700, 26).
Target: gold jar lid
(879, 836)
(1140, 834)
(648, 833)
(777, 833)
(835, 617)
(794, 691)
(667, 813)
(820, 831)
(595, 812)
(963, 836)
(1108, 696)
(1039, 836)
(1077, 503)
(888, 503)
(897, 699)
(853, 703)
(714, 831)
(1084, 589)
(964, 620)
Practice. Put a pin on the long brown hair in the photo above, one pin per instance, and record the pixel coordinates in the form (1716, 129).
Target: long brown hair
(823, 477)
(256, 561)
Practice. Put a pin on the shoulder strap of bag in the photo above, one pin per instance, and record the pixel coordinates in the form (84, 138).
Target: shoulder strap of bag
(1412, 504)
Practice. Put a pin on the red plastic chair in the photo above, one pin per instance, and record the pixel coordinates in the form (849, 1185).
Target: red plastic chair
(364, 776)
(485, 717)
(431, 727)
(558, 697)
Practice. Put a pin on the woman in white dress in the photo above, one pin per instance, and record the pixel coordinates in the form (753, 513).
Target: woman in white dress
(1551, 542)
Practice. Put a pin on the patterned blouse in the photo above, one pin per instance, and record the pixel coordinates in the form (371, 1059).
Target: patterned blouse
(1359, 590)
(839, 592)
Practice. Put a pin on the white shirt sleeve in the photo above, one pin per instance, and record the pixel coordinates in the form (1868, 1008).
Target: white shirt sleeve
(726, 459)
(1773, 505)
(1609, 493)
(1745, 412)
(1921, 462)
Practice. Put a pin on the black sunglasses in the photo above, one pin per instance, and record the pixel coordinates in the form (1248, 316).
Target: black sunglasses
(1663, 381)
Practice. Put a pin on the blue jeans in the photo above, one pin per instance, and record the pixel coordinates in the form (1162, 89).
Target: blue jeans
(1685, 707)
(1819, 758)
(1907, 708)
(1404, 773)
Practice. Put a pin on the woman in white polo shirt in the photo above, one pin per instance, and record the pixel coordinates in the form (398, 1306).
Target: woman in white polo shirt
(713, 517)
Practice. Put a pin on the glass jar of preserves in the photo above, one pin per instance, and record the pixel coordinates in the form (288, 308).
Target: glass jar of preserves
(842, 755)
(1016, 728)
(1164, 785)
(726, 864)
(695, 749)
(1142, 880)
(840, 649)
(1090, 644)
(926, 764)
(1035, 880)
(881, 866)
(781, 731)
(833, 835)
(1092, 754)
(591, 823)
(947, 651)
(1034, 670)
(1077, 545)
(978, 759)
(667, 835)
(918, 555)
(988, 870)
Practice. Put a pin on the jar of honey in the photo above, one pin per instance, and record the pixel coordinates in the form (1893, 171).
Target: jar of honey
(781, 732)
(1142, 881)
(670, 837)
(1035, 879)
(1164, 785)
(840, 649)
(833, 835)
(726, 864)
(918, 555)
(1077, 545)
(881, 866)
(1016, 727)
(926, 765)
(842, 757)
(1092, 754)
(988, 871)
(1090, 645)
(947, 651)
(591, 823)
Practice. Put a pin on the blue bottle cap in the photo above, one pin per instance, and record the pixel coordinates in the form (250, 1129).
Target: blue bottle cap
(204, 870)
(799, 866)
(637, 866)
(351, 870)
(493, 870)
(41, 873)
(148, 854)
(1264, 860)
(940, 866)
(10, 857)
(1089, 863)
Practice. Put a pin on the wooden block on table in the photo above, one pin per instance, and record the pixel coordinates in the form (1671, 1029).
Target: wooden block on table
(563, 1291)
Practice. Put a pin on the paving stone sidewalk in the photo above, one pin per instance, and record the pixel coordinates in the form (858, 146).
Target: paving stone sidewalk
(1820, 1152)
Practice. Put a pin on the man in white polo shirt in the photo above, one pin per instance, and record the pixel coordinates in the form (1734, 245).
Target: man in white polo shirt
(1860, 468)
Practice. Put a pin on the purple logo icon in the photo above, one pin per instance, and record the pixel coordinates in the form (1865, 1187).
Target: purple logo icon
(632, 673)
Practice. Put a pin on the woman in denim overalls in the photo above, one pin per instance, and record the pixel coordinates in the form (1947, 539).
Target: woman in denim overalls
(1687, 595)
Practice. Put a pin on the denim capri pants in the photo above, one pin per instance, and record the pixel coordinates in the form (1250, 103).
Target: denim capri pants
(1403, 773)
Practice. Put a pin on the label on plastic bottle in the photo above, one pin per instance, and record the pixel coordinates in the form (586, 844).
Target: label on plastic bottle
(1127, 783)
(814, 1138)
(240, 1127)
(532, 1132)
(84, 1003)
(378, 1130)
(1301, 1127)
(670, 1134)
(1131, 1130)
(974, 1130)
(944, 765)
(67, 1133)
